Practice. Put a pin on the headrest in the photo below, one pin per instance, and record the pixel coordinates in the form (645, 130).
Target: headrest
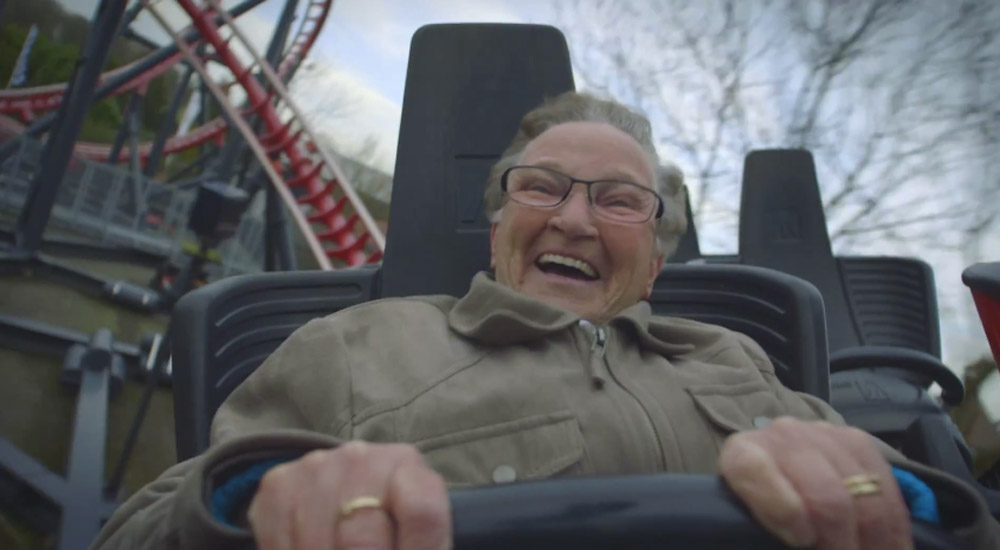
(467, 87)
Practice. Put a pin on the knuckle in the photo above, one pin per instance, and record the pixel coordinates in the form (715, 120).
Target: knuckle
(856, 437)
(314, 459)
(742, 456)
(274, 479)
(354, 453)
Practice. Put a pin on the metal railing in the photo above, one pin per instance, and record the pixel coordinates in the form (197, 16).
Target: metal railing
(113, 206)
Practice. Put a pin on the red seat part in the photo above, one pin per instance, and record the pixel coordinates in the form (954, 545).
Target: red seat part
(989, 313)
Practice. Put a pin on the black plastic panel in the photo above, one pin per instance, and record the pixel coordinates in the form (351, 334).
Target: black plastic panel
(983, 277)
(893, 301)
(225, 330)
(467, 87)
(783, 314)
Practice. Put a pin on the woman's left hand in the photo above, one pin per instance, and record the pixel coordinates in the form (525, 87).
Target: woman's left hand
(814, 484)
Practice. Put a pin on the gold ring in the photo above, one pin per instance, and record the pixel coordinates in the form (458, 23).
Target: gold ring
(862, 484)
(359, 503)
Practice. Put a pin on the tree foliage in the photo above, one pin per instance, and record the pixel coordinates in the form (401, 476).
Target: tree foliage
(54, 56)
(899, 101)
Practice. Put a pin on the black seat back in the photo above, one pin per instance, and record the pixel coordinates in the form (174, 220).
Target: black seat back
(869, 300)
(223, 331)
(467, 87)
(782, 226)
(782, 313)
(892, 301)
(687, 249)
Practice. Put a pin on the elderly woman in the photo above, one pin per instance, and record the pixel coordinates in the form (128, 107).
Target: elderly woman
(350, 433)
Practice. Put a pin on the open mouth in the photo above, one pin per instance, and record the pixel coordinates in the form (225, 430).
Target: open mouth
(565, 266)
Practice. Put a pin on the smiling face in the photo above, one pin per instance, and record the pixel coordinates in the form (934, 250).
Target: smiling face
(567, 256)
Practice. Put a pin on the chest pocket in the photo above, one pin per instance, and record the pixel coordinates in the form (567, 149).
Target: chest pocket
(737, 407)
(527, 448)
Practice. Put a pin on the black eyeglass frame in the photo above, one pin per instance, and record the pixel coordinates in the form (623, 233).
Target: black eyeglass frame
(589, 184)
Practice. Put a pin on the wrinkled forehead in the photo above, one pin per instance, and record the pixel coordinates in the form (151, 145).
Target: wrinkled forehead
(590, 150)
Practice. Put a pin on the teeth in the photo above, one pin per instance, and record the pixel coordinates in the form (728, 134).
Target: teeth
(571, 262)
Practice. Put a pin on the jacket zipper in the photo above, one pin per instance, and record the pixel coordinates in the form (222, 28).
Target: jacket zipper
(598, 340)
(598, 347)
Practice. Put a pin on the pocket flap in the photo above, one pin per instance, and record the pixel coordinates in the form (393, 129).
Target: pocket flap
(734, 407)
(526, 448)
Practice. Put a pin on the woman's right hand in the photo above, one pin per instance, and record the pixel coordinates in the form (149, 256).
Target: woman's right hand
(300, 504)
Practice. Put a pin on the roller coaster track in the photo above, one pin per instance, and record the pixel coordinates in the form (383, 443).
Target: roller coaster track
(23, 103)
(285, 145)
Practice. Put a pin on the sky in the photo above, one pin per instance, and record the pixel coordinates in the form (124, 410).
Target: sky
(360, 66)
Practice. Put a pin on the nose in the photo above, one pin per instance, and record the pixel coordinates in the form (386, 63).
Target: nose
(574, 217)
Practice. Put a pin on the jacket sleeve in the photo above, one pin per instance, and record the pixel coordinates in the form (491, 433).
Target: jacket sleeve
(298, 400)
(963, 511)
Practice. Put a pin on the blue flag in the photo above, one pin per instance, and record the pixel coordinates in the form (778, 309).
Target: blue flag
(20, 74)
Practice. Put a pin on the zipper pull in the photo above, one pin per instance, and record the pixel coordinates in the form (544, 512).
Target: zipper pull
(600, 339)
(597, 348)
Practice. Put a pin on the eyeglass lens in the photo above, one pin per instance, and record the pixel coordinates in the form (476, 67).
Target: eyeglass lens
(616, 200)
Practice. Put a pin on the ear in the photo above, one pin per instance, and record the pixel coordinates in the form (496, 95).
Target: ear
(493, 246)
(655, 265)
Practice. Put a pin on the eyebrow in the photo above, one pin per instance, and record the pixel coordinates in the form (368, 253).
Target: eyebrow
(616, 175)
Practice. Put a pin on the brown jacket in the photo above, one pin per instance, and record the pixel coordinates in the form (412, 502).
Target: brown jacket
(493, 384)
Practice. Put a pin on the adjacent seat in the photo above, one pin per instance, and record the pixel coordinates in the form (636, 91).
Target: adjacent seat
(881, 311)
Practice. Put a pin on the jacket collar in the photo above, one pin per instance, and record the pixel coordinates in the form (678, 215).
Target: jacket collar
(497, 315)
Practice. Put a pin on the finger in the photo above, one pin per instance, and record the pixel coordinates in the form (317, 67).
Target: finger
(882, 518)
(830, 508)
(268, 514)
(368, 476)
(421, 508)
(313, 511)
(753, 474)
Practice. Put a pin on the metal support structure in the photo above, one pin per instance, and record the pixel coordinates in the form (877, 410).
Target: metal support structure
(59, 147)
(278, 252)
(279, 255)
(134, 122)
(74, 505)
(45, 123)
(127, 18)
(168, 126)
(154, 366)
(81, 519)
(196, 164)
(125, 131)
(42, 339)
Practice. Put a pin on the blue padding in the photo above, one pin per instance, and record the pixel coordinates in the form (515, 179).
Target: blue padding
(238, 489)
(918, 496)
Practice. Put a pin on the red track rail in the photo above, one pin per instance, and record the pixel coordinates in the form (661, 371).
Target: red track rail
(290, 146)
(24, 103)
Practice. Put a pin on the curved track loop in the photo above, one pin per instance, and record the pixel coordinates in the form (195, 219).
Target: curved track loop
(287, 146)
(23, 103)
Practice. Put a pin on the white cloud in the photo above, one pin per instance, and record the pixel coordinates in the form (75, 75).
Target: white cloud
(347, 111)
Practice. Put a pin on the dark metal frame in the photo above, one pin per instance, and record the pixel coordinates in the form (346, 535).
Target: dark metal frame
(79, 497)
(78, 504)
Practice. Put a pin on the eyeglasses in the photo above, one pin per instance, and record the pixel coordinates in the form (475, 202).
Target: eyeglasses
(617, 201)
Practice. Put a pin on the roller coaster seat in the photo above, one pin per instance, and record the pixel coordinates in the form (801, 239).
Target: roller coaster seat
(457, 119)
(881, 311)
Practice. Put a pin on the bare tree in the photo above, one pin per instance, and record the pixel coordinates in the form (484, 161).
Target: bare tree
(899, 101)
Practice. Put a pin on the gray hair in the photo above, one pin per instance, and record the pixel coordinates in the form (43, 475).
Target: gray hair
(580, 107)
